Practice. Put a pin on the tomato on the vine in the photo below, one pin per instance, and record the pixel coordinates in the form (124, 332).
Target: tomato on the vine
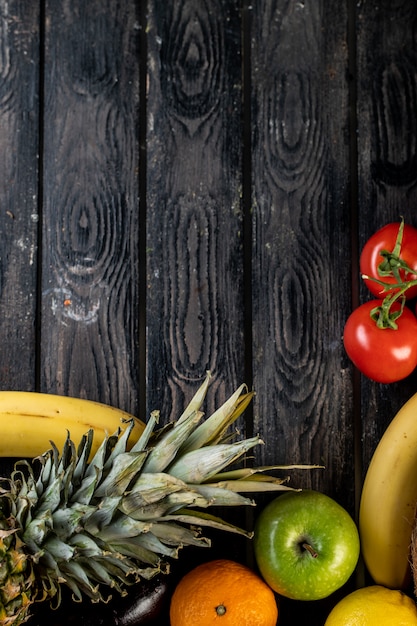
(384, 355)
(371, 259)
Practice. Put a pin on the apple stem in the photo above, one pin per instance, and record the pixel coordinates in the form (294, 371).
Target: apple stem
(307, 547)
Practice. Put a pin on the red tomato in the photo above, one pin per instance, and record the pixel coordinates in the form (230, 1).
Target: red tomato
(385, 239)
(384, 355)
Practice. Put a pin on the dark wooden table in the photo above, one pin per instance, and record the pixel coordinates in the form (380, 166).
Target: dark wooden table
(185, 185)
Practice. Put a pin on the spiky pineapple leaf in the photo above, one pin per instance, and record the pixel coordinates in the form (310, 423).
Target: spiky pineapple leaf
(213, 429)
(199, 465)
(200, 518)
(197, 400)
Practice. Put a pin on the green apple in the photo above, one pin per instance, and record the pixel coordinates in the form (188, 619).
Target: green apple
(306, 545)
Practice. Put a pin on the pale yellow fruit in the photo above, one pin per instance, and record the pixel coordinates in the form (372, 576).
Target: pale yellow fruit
(374, 606)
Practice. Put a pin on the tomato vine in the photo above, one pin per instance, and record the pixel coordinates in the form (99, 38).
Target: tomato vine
(383, 315)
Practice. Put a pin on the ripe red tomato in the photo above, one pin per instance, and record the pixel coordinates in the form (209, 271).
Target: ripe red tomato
(384, 355)
(385, 239)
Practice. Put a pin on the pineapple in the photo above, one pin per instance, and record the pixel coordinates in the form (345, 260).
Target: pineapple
(99, 526)
(16, 575)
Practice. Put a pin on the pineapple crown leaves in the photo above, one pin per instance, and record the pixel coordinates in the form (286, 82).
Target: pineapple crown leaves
(118, 517)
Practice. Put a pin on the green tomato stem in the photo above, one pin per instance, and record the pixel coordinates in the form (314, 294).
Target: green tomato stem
(392, 263)
(383, 315)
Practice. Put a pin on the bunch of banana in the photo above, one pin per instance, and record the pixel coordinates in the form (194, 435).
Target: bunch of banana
(388, 501)
(29, 421)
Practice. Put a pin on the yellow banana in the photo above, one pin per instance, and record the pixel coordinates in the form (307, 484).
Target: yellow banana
(388, 501)
(29, 421)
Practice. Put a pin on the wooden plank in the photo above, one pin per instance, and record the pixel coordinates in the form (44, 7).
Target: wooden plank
(195, 308)
(19, 145)
(387, 138)
(301, 246)
(91, 220)
(301, 234)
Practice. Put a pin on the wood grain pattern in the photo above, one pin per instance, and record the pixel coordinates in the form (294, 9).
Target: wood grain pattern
(186, 185)
(90, 261)
(387, 136)
(19, 45)
(301, 227)
(195, 289)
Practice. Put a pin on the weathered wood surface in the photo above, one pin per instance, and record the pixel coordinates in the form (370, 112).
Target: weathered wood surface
(186, 186)
(195, 255)
(301, 233)
(19, 184)
(89, 253)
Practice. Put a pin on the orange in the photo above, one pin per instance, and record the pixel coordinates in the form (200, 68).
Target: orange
(223, 593)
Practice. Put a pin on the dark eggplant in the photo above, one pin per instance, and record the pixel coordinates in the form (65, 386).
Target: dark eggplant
(144, 604)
